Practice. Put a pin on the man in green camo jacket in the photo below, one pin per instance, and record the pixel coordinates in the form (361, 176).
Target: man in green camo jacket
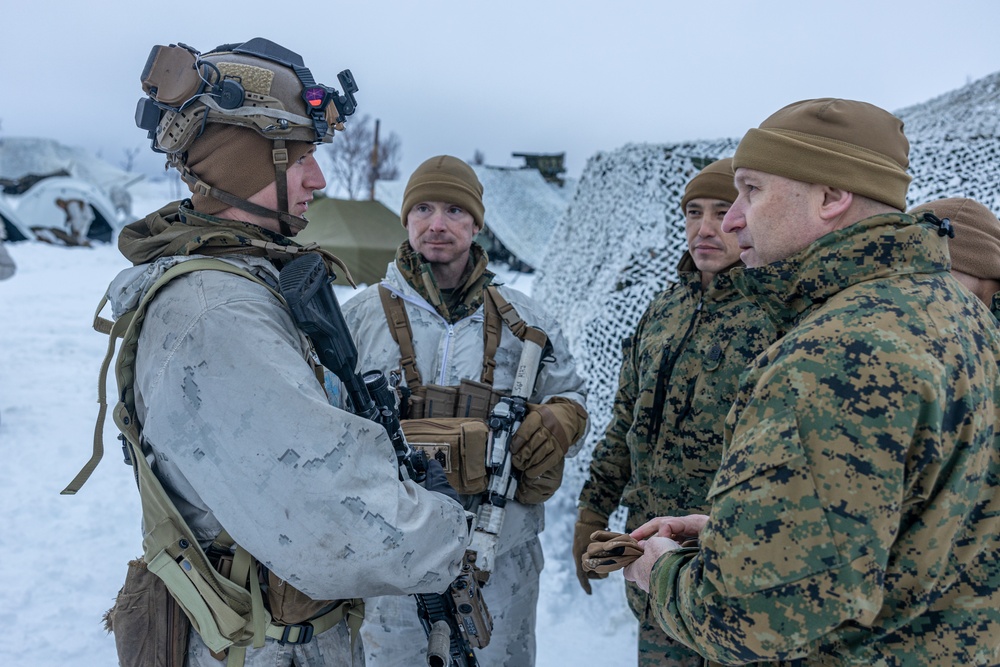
(855, 517)
(678, 380)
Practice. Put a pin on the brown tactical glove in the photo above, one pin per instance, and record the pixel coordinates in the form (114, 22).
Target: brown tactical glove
(546, 434)
(538, 490)
(587, 523)
(609, 552)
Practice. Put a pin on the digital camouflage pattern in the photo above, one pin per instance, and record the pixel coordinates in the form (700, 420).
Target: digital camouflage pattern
(691, 345)
(855, 517)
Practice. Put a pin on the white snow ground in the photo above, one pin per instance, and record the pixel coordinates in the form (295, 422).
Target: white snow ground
(63, 557)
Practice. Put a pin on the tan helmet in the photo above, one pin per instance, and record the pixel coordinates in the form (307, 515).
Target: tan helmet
(258, 85)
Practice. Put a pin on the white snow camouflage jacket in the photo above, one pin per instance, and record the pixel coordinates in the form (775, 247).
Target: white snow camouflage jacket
(244, 437)
(448, 353)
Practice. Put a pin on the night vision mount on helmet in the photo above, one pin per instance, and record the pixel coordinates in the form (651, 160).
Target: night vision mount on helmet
(259, 85)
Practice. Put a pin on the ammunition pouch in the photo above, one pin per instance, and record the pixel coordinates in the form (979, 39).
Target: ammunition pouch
(449, 424)
(471, 400)
(458, 444)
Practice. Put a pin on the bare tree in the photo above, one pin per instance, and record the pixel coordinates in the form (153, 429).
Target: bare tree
(356, 161)
(129, 162)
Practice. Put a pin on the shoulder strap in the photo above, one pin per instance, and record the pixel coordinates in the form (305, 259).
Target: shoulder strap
(491, 336)
(127, 328)
(399, 327)
(517, 326)
(495, 308)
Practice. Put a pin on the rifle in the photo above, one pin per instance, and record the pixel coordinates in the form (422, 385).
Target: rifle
(503, 422)
(455, 621)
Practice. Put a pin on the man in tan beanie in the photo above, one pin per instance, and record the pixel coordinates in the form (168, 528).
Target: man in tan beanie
(853, 518)
(975, 248)
(678, 380)
(257, 541)
(440, 319)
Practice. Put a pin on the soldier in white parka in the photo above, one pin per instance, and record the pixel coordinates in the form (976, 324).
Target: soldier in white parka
(440, 320)
(236, 424)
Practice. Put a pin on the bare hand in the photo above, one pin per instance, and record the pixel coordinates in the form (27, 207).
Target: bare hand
(677, 528)
(640, 569)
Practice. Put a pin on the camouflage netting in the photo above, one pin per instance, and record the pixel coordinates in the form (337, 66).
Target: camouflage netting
(623, 235)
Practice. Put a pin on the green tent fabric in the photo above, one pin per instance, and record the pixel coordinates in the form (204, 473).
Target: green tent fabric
(364, 234)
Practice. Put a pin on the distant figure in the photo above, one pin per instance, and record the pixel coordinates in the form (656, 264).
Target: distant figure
(79, 216)
(7, 266)
(679, 376)
(975, 248)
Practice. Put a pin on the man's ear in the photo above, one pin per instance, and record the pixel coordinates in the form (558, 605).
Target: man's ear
(835, 203)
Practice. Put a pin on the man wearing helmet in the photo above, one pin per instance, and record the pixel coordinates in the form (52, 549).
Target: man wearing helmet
(236, 425)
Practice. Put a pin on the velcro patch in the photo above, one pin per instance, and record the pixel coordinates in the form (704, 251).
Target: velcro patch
(254, 79)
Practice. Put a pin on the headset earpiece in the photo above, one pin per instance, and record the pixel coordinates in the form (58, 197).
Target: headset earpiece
(230, 93)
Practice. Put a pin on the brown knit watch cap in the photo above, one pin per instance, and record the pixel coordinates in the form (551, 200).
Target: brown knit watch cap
(716, 181)
(854, 146)
(975, 250)
(237, 160)
(446, 179)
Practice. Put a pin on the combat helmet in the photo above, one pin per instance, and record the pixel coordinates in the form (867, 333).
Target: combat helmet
(258, 85)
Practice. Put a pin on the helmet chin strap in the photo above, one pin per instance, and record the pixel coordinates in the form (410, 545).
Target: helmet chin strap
(289, 224)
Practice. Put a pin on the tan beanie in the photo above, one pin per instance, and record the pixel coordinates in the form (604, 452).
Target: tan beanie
(236, 160)
(713, 182)
(854, 146)
(445, 179)
(975, 250)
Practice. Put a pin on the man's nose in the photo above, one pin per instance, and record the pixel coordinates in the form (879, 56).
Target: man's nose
(437, 220)
(733, 221)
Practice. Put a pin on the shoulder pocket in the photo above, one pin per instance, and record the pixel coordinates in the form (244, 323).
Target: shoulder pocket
(769, 526)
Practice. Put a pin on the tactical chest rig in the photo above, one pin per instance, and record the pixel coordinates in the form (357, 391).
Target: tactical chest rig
(449, 423)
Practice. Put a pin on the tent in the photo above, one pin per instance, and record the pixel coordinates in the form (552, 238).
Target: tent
(364, 234)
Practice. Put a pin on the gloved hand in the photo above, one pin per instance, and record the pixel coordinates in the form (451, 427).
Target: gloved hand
(546, 434)
(587, 523)
(609, 552)
(538, 490)
(438, 482)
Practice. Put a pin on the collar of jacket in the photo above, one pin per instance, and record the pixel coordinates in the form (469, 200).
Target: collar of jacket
(891, 244)
(178, 230)
(719, 290)
(418, 275)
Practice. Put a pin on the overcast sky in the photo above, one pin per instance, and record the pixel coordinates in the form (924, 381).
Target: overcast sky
(449, 76)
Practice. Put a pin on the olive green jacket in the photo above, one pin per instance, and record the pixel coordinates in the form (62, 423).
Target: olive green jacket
(679, 376)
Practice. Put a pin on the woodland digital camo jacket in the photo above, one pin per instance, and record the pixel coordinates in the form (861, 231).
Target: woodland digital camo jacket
(687, 354)
(856, 514)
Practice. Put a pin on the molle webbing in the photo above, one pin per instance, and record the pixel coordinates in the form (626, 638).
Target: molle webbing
(496, 309)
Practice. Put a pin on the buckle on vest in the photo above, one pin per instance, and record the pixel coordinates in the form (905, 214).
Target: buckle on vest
(303, 634)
